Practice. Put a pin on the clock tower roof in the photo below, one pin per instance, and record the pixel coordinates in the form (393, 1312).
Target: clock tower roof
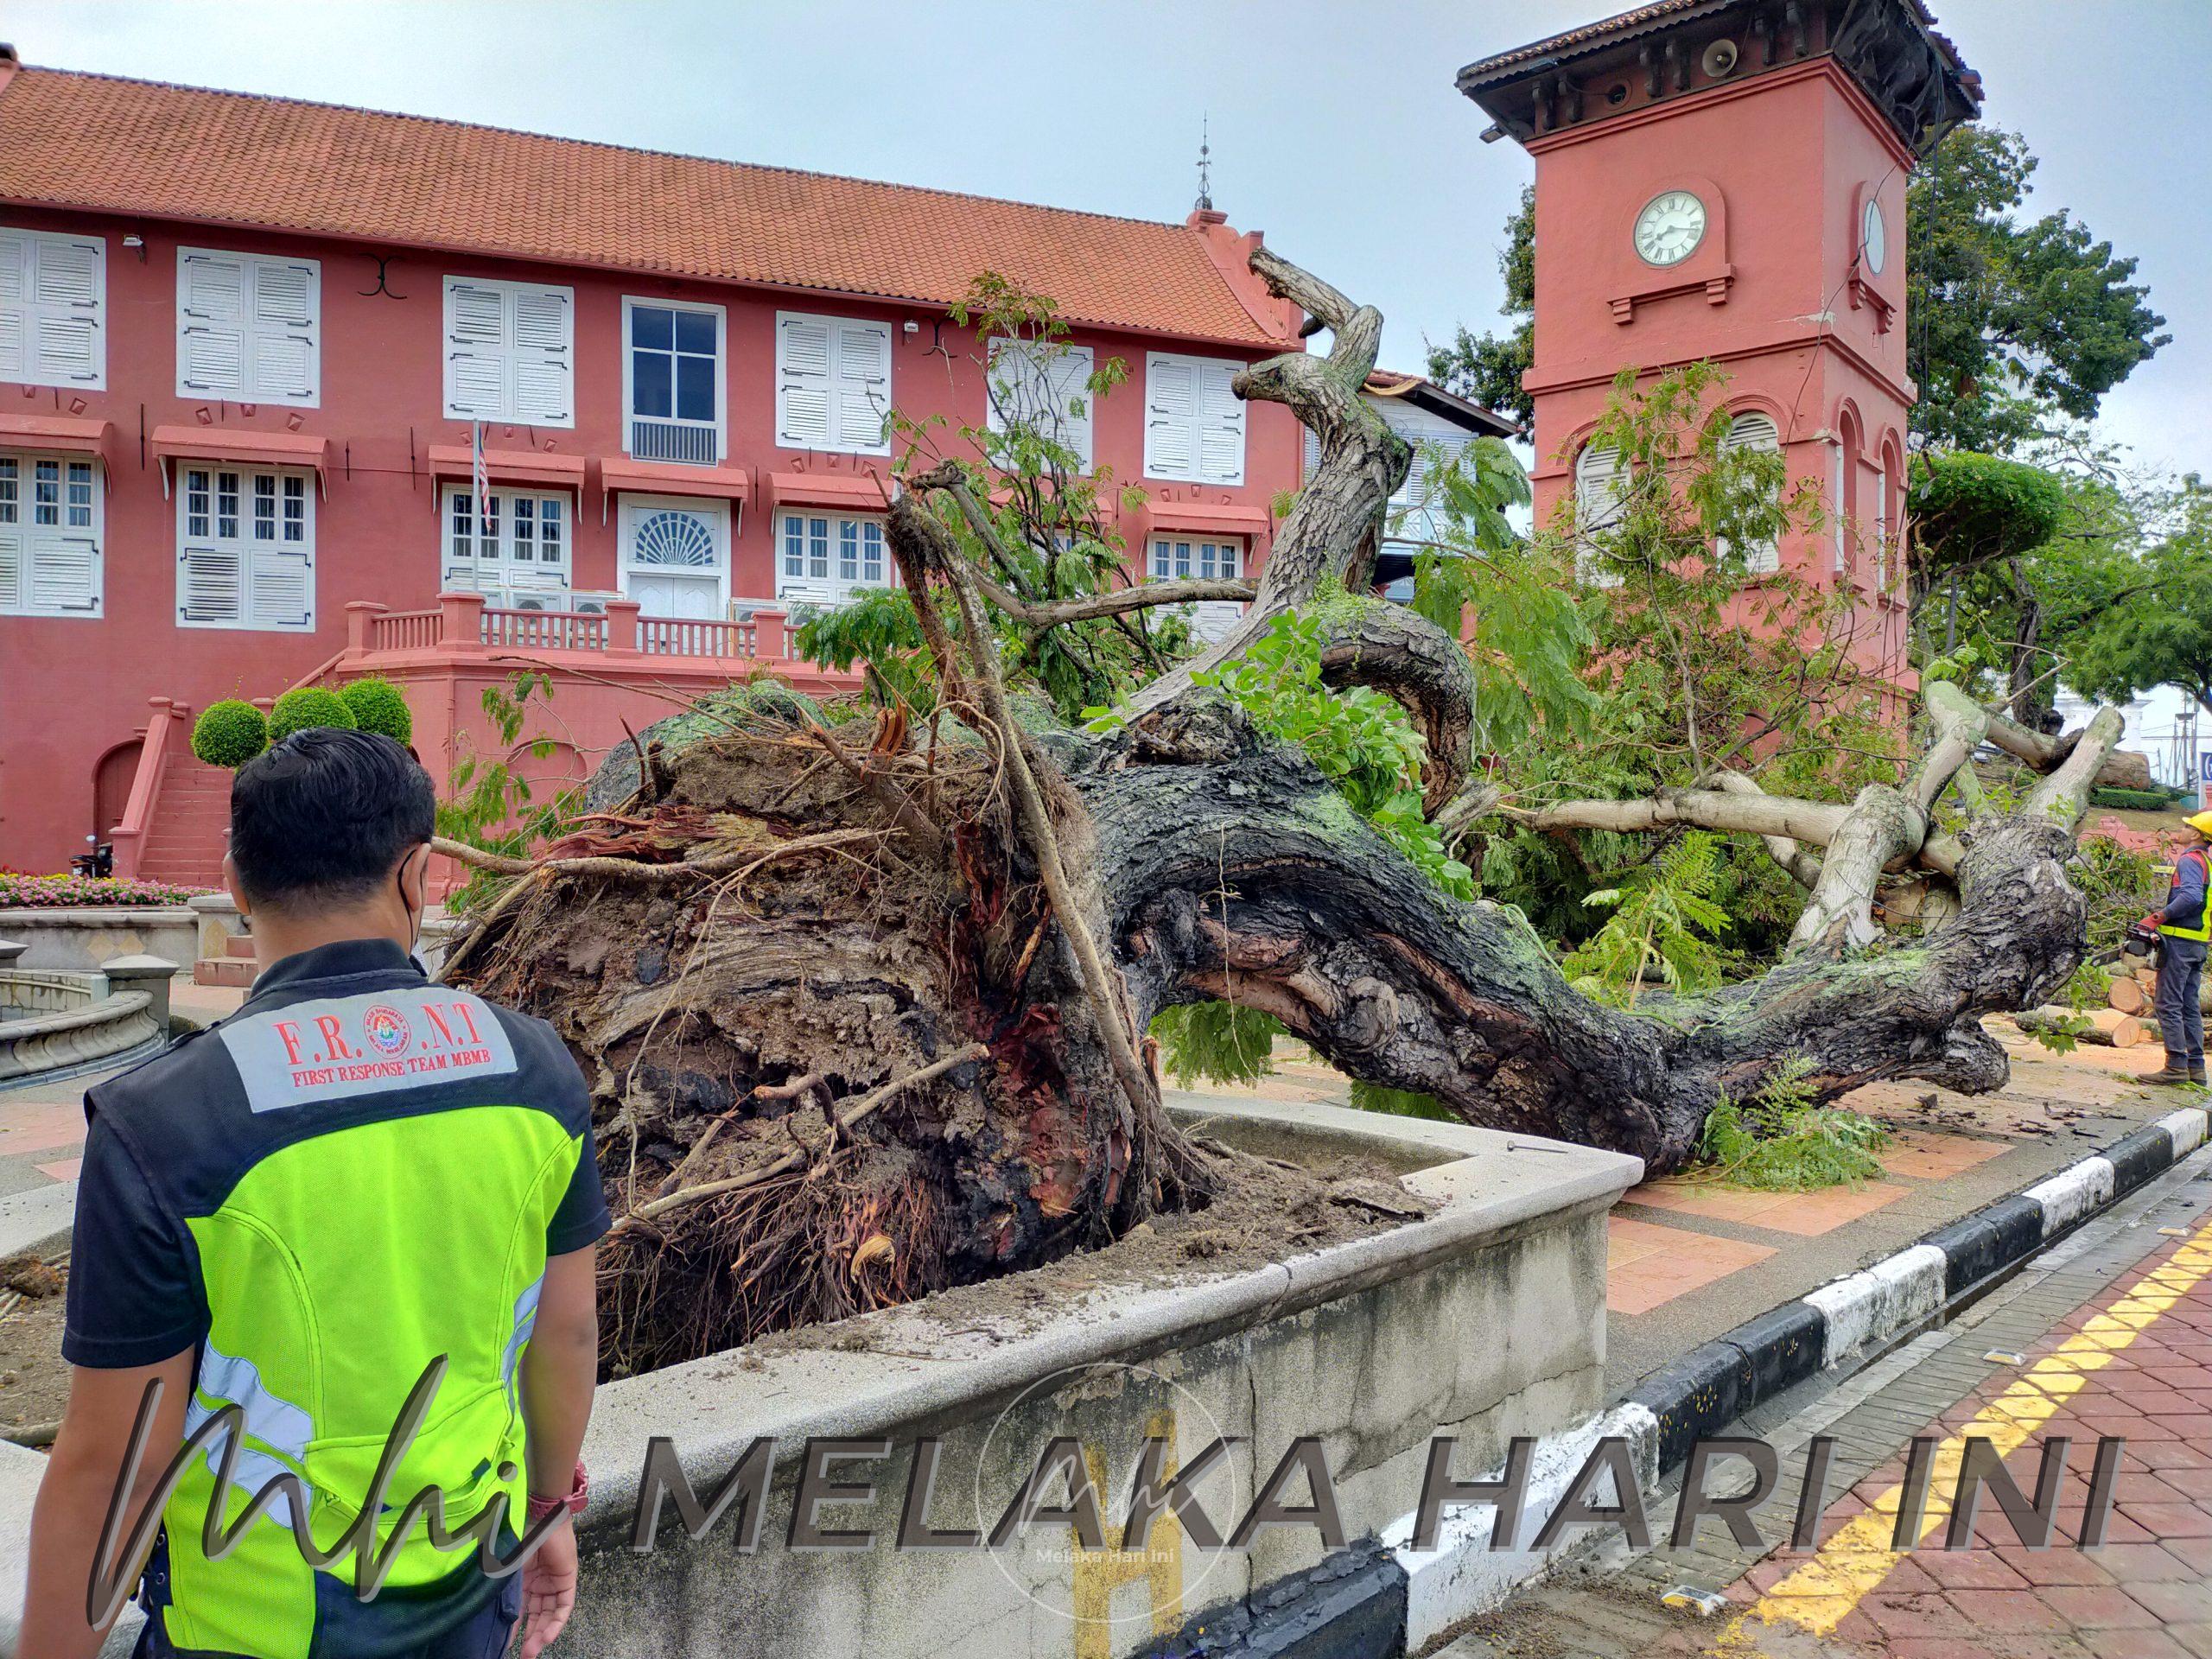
(1624, 64)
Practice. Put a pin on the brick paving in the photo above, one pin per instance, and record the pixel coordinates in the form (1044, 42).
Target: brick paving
(2114, 1336)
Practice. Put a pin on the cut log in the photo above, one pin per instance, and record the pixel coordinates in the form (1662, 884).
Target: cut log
(2126, 995)
(2105, 1028)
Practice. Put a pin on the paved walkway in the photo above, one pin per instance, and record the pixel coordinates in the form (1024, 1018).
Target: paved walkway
(2109, 1335)
(1687, 1260)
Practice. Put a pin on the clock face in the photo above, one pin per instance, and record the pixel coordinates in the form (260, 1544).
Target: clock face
(1872, 247)
(1669, 228)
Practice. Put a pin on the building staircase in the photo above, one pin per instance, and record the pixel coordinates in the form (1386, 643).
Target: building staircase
(185, 834)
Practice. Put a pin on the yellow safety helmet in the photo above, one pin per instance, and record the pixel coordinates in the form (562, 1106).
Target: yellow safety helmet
(2201, 822)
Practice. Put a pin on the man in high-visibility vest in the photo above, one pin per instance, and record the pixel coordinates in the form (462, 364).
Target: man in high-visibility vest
(360, 1185)
(2184, 929)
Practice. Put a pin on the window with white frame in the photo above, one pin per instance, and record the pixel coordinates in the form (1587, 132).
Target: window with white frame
(249, 326)
(1882, 573)
(672, 380)
(1176, 559)
(518, 541)
(510, 351)
(1600, 495)
(833, 384)
(53, 309)
(1194, 421)
(245, 550)
(1755, 431)
(821, 557)
(1045, 386)
(50, 511)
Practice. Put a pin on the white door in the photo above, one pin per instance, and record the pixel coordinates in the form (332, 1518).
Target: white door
(676, 557)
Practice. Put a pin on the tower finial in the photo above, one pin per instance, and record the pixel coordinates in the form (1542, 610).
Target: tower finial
(1204, 203)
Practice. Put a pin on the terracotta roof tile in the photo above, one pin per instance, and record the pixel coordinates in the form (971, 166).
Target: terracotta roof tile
(101, 141)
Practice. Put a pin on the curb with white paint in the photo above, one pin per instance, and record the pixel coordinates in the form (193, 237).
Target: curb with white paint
(1844, 1323)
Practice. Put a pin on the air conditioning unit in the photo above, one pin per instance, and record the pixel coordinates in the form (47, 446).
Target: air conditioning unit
(590, 604)
(532, 600)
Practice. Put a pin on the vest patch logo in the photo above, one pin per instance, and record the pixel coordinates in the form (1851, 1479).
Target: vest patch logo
(343, 1047)
(387, 1029)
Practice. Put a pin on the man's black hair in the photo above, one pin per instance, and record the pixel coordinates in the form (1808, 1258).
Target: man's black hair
(323, 818)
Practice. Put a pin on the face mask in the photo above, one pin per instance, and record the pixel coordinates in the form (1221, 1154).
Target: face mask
(413, 920)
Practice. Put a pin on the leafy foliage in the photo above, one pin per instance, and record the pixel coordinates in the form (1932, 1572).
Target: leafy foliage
(487, 804)
(1222, 1041)
(1663, 920)
(1486, 369)
(1400, 1102)
(377, 706)
(306, 706)
(1049, 536)
(2146, 620)
(1361, 740)
(2014, 326)
(2121, 886)
(1970, 508)
(1781, 1141)
(230, 732)
(20, 892)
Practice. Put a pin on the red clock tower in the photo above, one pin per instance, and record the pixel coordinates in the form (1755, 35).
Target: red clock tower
(1725, 178)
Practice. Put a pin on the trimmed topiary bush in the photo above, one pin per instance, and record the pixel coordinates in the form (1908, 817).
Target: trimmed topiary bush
(305, 706)
(230, 732)
(2134, 800)
(378, 707)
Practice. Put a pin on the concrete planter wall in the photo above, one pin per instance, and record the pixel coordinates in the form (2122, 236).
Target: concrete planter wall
(79, 939)
(55, 1025)
(1486, 1320)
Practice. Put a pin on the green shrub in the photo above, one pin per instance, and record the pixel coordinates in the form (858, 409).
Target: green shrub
(378, 707)
(305, 706)
(230, 732)
(2131, 800)
(1782, 1141)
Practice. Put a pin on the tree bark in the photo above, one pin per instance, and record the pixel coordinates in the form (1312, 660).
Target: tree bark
(778, 959)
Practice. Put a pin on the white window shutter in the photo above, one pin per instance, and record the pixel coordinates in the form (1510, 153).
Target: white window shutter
(64, 574)
(863, 385)
(11, 569)
(1597, 494)
(1071, 400)
(476, 351)
(211, 585)
(1221, 425)
(544, 338)
(1171, 409)
(57, 334)
(1753, 431)
(1313, 455)
(288, 330)
(803, 393)
(281, 587)
(15, 304)
(211, 340)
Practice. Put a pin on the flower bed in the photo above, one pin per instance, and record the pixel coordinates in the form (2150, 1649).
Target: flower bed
(19, 892)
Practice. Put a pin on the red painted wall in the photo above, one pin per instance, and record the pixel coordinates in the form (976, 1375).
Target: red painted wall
(71, 689)
(1780, 159)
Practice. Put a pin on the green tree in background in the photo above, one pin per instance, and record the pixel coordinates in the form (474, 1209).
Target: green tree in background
(2148, 622)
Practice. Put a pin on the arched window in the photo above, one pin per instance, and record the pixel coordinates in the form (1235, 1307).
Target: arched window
(1753, 431)
(1600, 484)
(1845, 502)
(1889, 490)
(672, 538)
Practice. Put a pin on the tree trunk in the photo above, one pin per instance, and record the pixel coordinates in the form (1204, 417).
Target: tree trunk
(862, 1009)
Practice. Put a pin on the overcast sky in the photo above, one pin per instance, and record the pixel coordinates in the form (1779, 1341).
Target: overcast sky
(1335, 127)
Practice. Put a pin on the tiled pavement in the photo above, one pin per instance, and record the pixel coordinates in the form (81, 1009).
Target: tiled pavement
(1690, 1259)
(42, 1127)
(2109, 1334)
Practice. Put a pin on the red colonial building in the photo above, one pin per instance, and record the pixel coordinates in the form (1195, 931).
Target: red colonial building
(246, 343)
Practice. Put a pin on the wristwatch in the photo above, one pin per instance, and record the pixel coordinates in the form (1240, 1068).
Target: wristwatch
(574, 1503)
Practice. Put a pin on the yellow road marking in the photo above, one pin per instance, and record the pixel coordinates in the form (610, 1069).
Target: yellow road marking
(1817, 1596)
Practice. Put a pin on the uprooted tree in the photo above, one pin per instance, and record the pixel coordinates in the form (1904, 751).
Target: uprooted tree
(865, 993)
